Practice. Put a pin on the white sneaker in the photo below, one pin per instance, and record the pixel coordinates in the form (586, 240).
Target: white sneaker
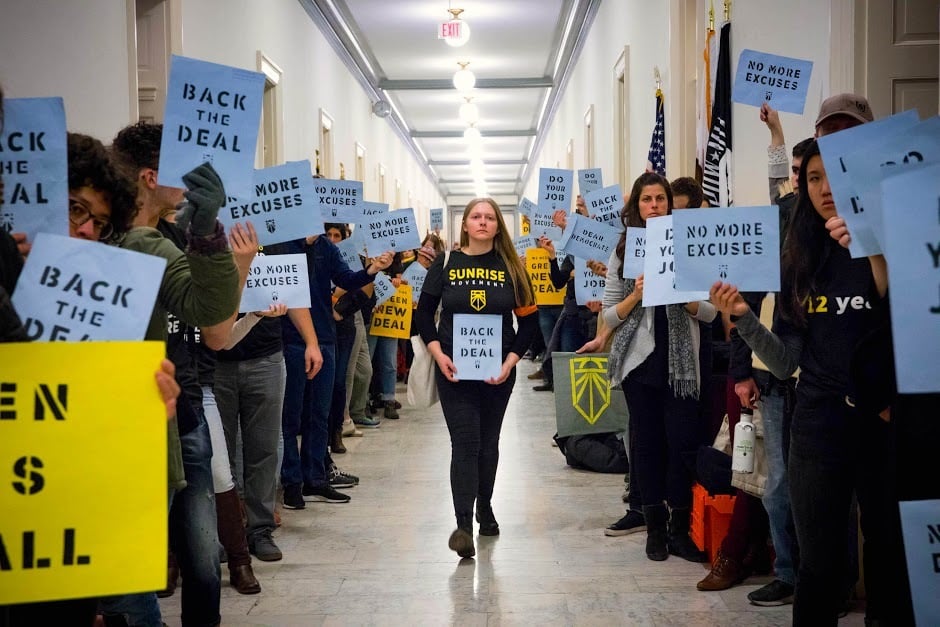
(350, 430)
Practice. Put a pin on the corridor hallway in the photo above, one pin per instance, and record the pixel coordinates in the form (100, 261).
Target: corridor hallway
(382, 559)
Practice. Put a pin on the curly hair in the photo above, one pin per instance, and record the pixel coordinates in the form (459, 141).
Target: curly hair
(138, 145)
(630, 214)
(90, 165)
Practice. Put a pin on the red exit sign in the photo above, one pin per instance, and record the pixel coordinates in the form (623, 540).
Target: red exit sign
(450, 30)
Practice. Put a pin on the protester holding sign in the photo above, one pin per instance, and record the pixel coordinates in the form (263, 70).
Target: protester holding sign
(304, 471)
(655, 356)
(484, 278)
(828, 303)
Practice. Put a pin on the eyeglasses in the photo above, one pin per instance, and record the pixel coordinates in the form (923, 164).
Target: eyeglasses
(79, 215)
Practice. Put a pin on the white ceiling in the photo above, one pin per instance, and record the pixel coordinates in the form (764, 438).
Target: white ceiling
(521, 52)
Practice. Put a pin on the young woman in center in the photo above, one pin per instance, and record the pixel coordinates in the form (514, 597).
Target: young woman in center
(655, 357)
(474, 410)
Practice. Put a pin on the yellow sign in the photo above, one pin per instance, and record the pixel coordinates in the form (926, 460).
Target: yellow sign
(83, 477)
(393, 317)
(524, 225)
(590, 390)
(537, 264)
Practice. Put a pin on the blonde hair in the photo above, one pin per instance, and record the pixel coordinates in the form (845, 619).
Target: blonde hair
(504, 247)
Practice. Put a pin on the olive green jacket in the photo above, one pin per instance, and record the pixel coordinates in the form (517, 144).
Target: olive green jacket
(200, 287)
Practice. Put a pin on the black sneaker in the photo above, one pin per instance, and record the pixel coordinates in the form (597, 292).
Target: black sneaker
(775, 593)
(293, 498)
(324, 494)
(262, 546)
(545, 387)
(391, 412)
(632, 522)
(340, 479)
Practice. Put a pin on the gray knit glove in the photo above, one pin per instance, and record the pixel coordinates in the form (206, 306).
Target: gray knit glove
(204, 197)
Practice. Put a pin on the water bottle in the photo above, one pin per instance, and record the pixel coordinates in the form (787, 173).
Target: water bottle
(742, 458)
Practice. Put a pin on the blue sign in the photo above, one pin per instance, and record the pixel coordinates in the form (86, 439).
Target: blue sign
(912, 248)
(34, 167)
(914, 146)
(659, 275)
(779, 81)
(383, 288)
(369, 208)
(76, 290)
(605, 205)
(281, 204)
(350, 249)
(833, 149)
(524, 243)
(737, 245)
(589, 180)
(339, 201)
(919, 529)
(437, 220)
(555, 194)
(395, 230)
(414, 275)
(478, 346)
(589, 239)
(527, 208)
(634, 253)
(275, 279)
(213, 113)
(587, 285)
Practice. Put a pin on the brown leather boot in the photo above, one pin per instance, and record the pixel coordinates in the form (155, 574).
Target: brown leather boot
(232, 537)
(336, 442)
(725, 573)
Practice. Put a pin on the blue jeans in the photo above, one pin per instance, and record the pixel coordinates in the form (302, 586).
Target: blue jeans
(138, 610)
(548, 316)
(776, 497)
(569, 334)
(306, 414)
(249, 394)
(384, 351)
(194, 536)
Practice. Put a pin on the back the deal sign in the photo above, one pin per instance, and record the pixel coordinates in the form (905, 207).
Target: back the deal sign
(73, 289)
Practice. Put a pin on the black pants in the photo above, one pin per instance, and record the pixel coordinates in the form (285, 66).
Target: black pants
(664, 435)
(833, 451)
(474, 413)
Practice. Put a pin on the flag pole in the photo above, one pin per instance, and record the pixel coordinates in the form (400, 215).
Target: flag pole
(711, 17)
(727, 10)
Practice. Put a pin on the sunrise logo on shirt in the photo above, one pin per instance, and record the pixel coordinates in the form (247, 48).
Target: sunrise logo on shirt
(478, 299)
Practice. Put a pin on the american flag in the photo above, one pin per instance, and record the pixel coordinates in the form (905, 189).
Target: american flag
(656, 159)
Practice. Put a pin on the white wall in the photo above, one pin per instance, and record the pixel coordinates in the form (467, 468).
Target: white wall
(799, 28)
(80, 53)
(77, 50)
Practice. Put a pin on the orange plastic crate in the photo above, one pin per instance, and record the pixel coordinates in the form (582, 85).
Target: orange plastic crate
(711, 517)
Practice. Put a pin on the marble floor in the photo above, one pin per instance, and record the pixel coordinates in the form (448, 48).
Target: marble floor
(382, 559)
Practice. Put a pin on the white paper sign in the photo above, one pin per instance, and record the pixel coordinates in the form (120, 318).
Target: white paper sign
(396, 231)
(73, 289)
(274, 279)
(527, 208)
(605, 205)
(589, 180)
(659, 275)
(414, 275)
(478, 346)
(338, 200)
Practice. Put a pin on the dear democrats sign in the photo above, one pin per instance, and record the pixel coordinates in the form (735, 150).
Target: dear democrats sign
(73, 289)
(737, 245)
(34, 167)
(779, 81)
(589, 239)
(282, 204)
(213, 113)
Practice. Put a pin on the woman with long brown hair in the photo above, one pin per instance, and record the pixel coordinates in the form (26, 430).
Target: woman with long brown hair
(474, 410)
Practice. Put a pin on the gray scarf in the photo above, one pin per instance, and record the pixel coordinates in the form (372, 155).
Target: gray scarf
(682, 355)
